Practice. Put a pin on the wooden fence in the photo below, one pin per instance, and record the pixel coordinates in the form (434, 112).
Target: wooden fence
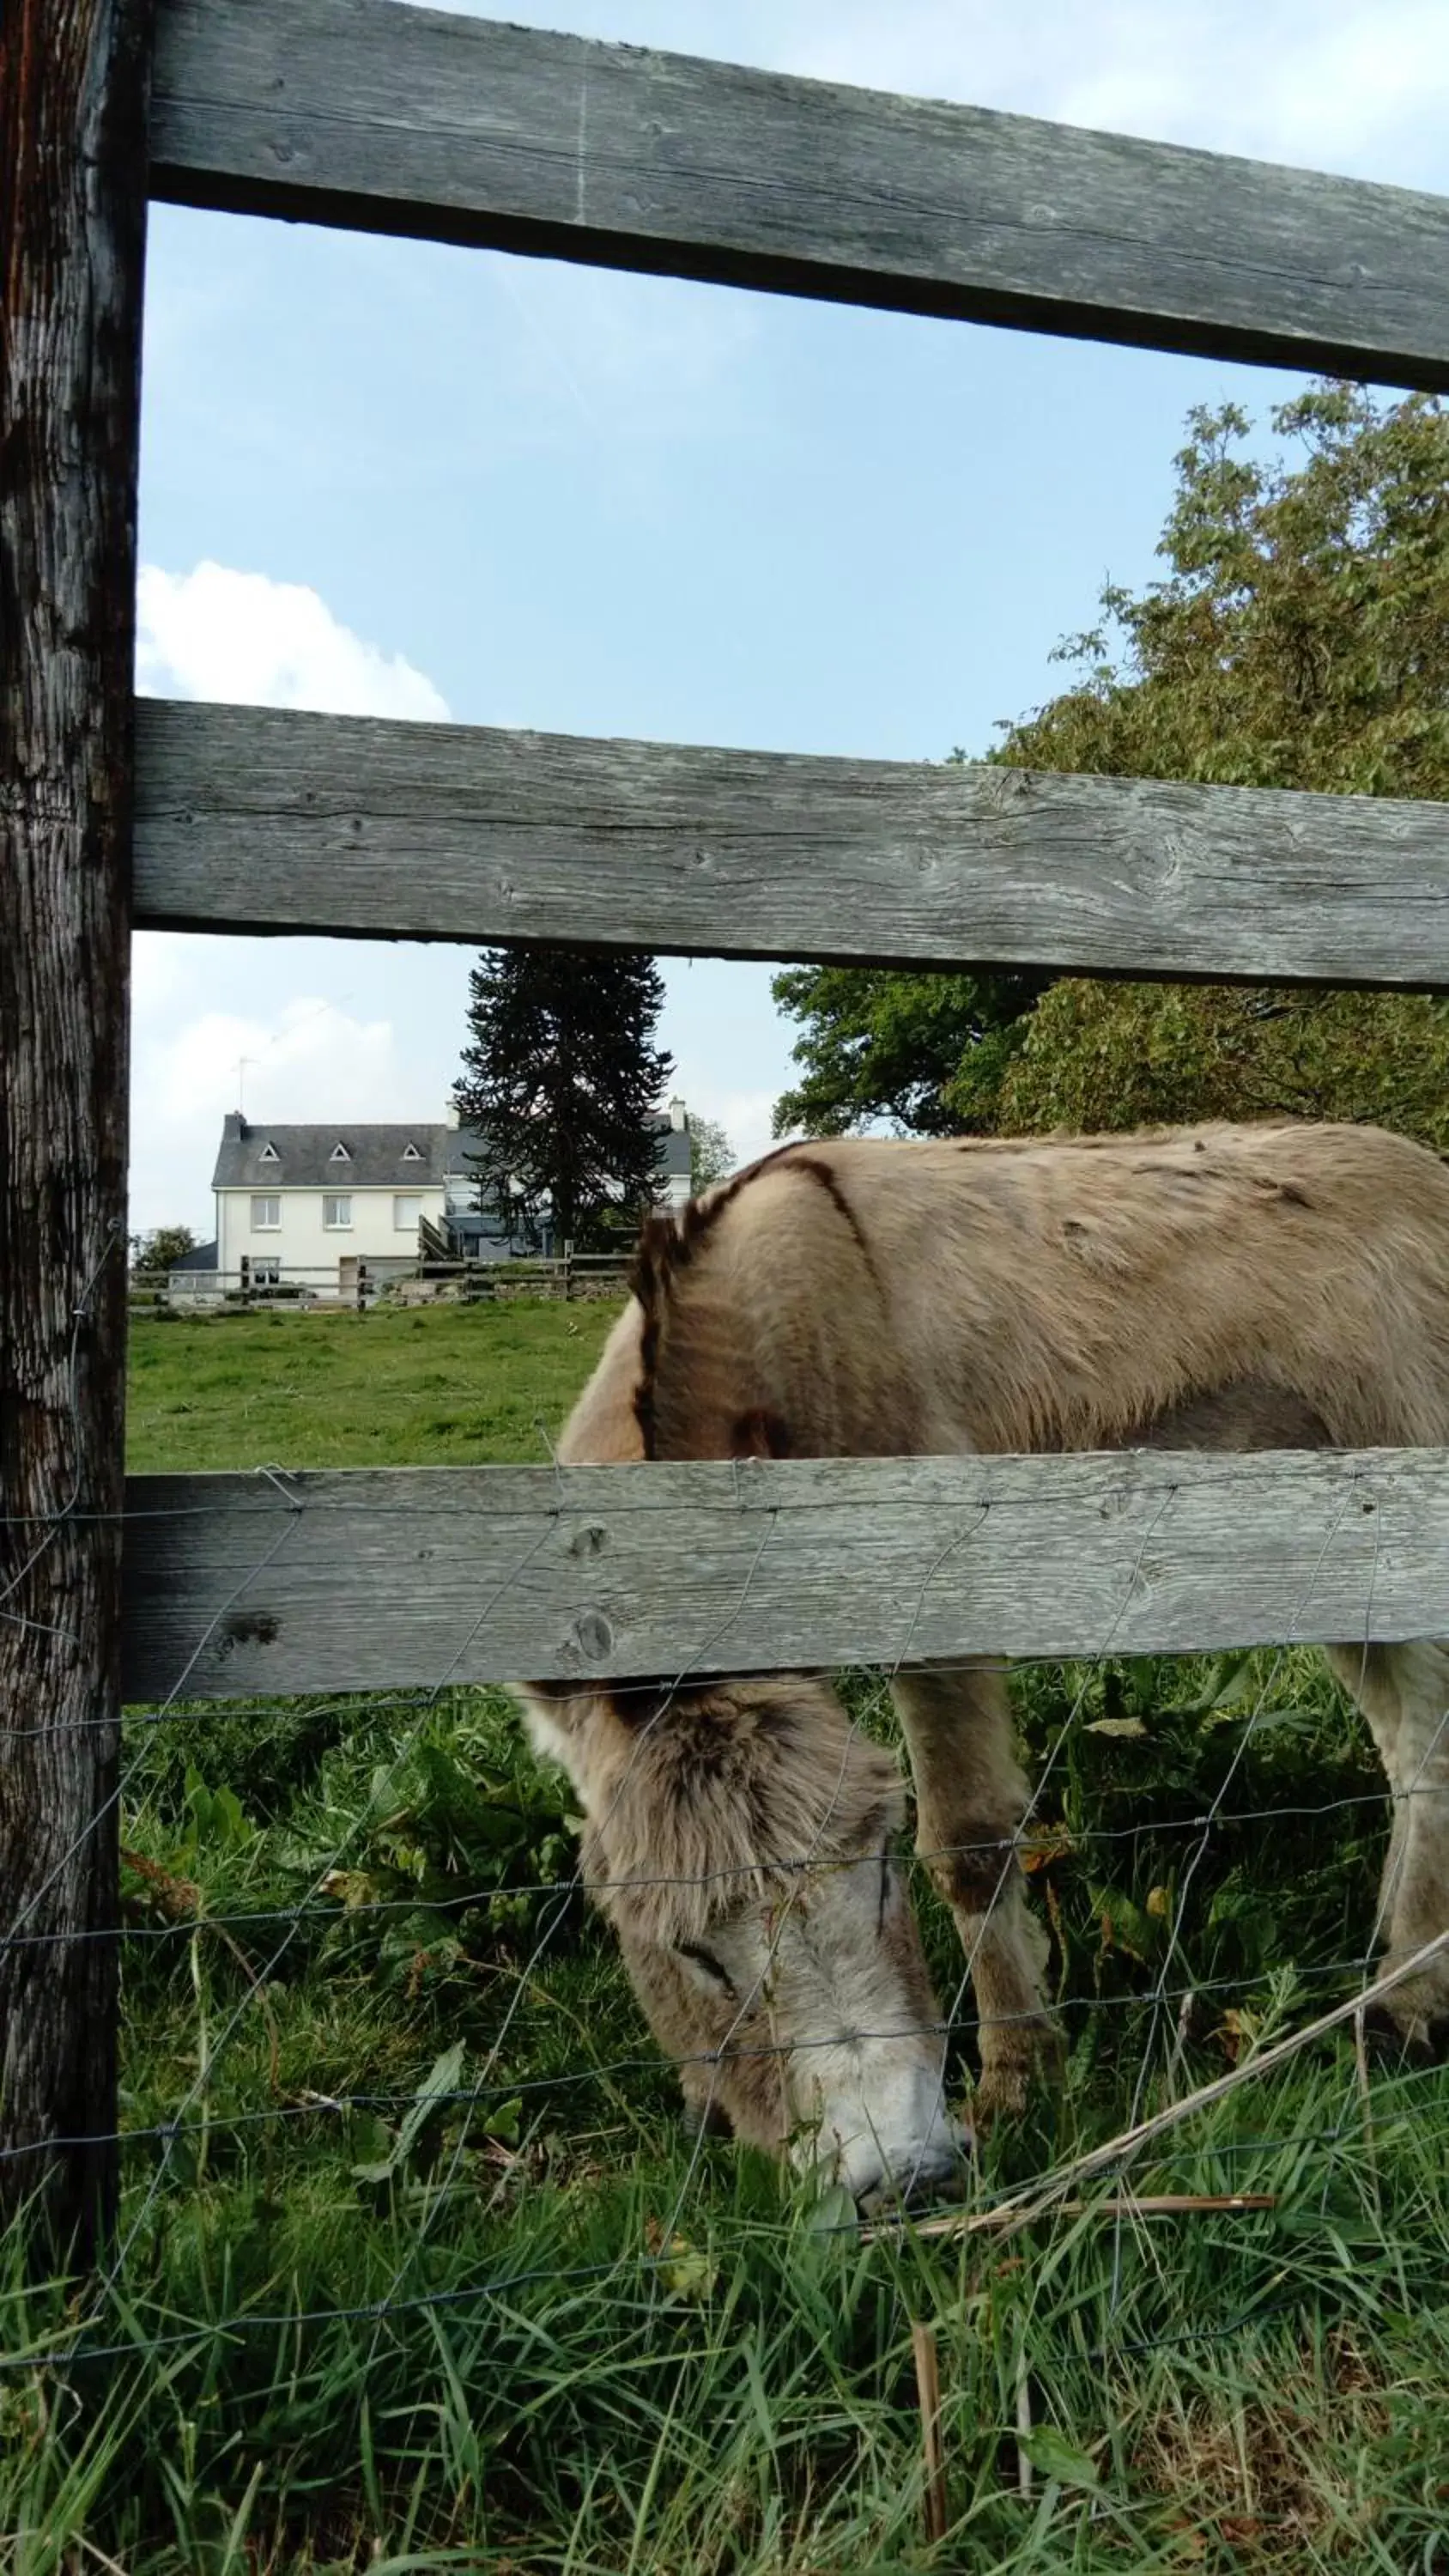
(368, 1280)
(370, 114)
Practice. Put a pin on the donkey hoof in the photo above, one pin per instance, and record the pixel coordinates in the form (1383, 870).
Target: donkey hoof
(1420, 2039)
(1003, 2091)
(1004, 2085)
(999, 2095)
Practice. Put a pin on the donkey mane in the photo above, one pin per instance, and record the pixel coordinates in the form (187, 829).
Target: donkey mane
(668, 1244)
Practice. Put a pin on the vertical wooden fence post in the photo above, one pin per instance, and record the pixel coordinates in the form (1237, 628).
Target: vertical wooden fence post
(74, 77)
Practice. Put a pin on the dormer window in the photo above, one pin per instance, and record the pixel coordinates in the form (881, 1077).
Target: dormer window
(269, 1154)
(339, 1154)
(410, 1154)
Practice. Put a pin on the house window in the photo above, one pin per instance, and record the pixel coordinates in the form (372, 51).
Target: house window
(269, 1154)
(407, 1211)
(339, 1154)
(411, 1154)
(266, 1274)
(336, 1209)
(266, 1216)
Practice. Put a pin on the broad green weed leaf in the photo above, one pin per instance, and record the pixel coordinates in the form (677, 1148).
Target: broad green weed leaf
(1052, 2456)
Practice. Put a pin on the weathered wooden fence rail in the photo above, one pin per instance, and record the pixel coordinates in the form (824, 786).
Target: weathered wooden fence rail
(401, 120)
(253, 818)
(413, 122)
(375, 1580)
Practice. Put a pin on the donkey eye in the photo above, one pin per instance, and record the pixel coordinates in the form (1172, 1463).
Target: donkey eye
(708, 1965)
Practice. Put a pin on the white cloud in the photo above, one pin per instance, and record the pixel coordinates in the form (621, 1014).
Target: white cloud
(1318, 80)
(239, 636)
(1338, 86)
(348, 1066)
(248, 640)
(313, 1060)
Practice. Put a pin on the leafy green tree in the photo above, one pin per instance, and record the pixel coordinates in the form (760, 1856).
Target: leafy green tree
(1102, 1056)
(161, 1249)
(926, 1051)
(711, 1155)
(561, 1075)
(1299, 638)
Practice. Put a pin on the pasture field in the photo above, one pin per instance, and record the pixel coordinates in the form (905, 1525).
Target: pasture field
(417, 2270)
(434, 1386)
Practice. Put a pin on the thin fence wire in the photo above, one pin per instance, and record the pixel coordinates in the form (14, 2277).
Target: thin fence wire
(1039, 1785)
(1039, 1840)
(112, 2274)
(323, 2107)
(626, 2267)
(212, 1713)
(1150, 1472)
(1195, 1860)
(321, 2104)
(1069, 1841)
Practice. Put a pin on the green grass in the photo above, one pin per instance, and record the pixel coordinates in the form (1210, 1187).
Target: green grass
(1228, 2392)
(447, 1386)
(427, 2097)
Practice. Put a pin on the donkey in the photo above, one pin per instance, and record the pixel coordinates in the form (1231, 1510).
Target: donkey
(1235, 1288)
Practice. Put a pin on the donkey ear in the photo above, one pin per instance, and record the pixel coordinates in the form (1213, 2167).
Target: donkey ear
(759, 1434)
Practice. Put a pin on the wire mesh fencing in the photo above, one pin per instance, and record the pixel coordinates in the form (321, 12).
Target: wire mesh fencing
(358, 1945)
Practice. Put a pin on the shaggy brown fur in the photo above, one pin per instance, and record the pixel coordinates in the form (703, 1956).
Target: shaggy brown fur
(715, 1799)
(1220, 1287)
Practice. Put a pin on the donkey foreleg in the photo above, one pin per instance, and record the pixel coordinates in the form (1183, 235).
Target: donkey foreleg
(971, 1798)
(1403, 1691)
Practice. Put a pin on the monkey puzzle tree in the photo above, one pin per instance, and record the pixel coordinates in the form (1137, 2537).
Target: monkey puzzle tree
(560, 1078)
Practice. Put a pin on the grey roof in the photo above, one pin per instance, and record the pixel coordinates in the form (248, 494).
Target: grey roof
(673, 1150)
(377, 1157)
(201, 1257)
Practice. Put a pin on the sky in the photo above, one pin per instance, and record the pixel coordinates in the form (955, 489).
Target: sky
(391, 478)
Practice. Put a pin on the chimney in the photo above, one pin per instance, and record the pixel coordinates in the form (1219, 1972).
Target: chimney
(678, 1116)
(233, 1127)
(450, 1114)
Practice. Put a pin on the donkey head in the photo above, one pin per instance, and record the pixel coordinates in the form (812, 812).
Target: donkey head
(741, 1842)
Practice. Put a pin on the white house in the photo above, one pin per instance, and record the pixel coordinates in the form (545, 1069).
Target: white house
(306, 1204)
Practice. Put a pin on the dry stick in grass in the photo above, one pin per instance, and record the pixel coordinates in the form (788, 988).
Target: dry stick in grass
(1365, 2096)
(1023, 2208)
(1147, 2204)
(928, 2392)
